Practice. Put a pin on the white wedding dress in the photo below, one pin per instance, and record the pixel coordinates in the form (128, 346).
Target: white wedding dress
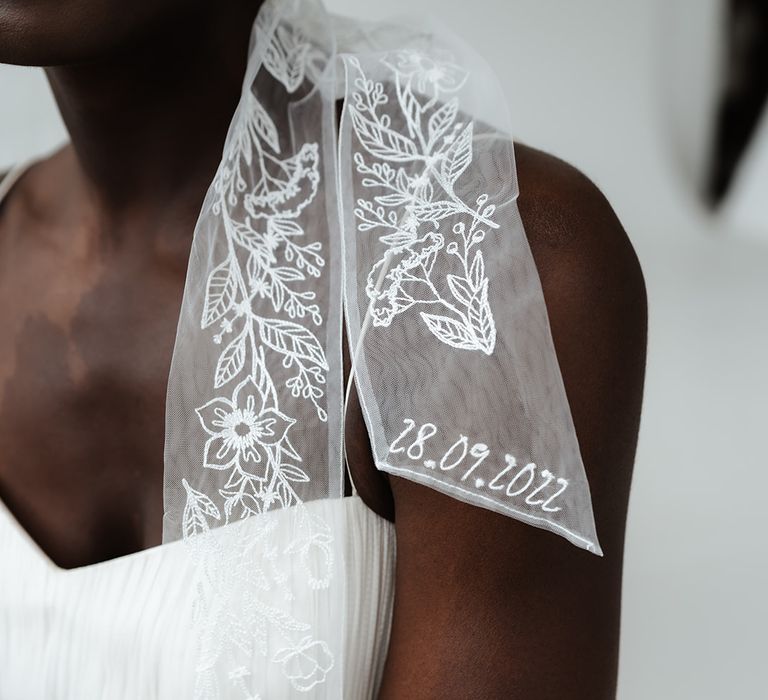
(121, 629)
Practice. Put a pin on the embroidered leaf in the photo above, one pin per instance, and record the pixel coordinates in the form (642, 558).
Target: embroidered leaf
(292, 339)
(250, 505)
(434, 211)
(229, 504)
(247, 236)
(289, 449)
(277, 293)
(450, 331)
(295, 62)
(197, 509)
(460, 289)
(288, 274)
(401, 180)
(293, 473)
(253, 268)
(265, 127)
(240, 142)
(284, 494)
(285, 58)
(381, 141)
(429, 261)
(477, 270)
(481, 319)
(392, 200)
(231, 361)
(398, 238)
(219, 294)
(235, 479)
(458, 156)
(284, 227)
(411, 108)
(441, 119)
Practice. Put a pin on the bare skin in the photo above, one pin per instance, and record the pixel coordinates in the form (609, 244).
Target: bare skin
(93, 253)
(488, 607)
(94, 245)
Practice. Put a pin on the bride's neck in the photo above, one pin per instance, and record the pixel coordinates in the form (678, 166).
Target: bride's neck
(147, 123)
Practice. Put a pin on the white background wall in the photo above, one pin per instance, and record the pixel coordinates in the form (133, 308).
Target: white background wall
(623, 89)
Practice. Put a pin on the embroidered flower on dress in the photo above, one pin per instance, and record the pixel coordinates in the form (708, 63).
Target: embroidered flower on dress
(241, 428)
(305, 664)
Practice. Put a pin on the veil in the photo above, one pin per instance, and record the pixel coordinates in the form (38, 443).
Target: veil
(402, 222)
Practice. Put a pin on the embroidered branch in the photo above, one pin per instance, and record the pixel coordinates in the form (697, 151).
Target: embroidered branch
(413, 170)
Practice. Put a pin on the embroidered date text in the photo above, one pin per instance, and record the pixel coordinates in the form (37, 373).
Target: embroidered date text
(539, 487)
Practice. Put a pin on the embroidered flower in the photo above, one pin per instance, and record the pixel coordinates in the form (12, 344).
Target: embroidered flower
(260, 287)
(407, 269)
(440, 76)
(305, 664)
(270, 239)
(241, 428)
(314, 546)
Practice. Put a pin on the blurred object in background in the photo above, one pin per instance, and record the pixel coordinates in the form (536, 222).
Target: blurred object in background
(741, 156)
(712, 71)
(688, 50)
(745, 91)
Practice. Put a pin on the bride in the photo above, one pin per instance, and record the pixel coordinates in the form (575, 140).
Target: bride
(364, 288)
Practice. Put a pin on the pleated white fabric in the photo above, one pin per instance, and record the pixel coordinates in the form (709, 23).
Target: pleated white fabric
(122, 629)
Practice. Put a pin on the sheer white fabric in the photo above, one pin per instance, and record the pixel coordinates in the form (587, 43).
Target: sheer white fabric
(408, 223)
(453, 355)
(455, 364)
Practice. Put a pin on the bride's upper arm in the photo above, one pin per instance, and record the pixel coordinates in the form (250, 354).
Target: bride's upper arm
(489, 607)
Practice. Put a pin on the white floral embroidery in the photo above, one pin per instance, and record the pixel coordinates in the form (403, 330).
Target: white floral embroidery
(428, 74)
(238, 612)
(306, 664)
(238, 428)
(256, 310)
(197, 509)
(265, 258)
(286, 53)
(250, 439)
(414, 170)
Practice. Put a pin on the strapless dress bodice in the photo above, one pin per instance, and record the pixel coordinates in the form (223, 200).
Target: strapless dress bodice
(125, 629)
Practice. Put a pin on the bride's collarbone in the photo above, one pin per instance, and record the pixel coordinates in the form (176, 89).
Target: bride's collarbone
(84, 361)
(84, 364)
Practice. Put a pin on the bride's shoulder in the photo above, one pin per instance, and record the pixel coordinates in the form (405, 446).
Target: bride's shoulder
(591, 277)
(562, 209)
(595, 295)
(596, 301)
(487, 590)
